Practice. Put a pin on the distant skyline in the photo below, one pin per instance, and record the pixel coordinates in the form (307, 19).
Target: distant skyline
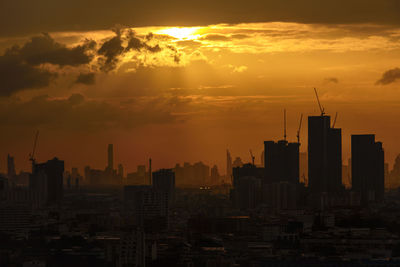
(174, 84)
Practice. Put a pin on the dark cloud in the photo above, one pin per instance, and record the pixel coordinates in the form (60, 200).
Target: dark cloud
(20, 65)
(43, 49)
(331, 80)
(111, 49)
(135, 43)
(86, 78)
(16, 75)
(26, 16)
(79, 113)
(389, 77)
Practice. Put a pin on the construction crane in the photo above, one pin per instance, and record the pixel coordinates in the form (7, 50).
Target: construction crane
(321, 108)
(32, 155)
(252, 157)
(298, 131)
(334, 121)
(284, 124)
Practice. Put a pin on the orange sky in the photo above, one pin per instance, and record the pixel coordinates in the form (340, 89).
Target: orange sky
(187, 94)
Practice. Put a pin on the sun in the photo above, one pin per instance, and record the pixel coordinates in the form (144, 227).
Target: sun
(181, 32)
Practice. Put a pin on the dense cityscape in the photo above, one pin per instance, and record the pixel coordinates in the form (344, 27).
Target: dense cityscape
(289, 208)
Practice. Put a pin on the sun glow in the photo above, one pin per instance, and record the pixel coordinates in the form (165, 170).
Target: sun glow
(181, 33)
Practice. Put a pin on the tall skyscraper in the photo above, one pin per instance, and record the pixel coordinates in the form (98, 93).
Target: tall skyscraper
(47, 179)
(228, 165)
(324, 155)
(10, 167)
(368, 167)
(164, 180)
(281, 161)
(110, 165)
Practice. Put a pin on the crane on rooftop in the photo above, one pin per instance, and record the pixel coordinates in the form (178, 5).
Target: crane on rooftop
(32, 155)
(298, 131)
(321, 108)
(334, 121)
(252, 156)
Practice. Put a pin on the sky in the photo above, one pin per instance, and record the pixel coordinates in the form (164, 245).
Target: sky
(184, 81)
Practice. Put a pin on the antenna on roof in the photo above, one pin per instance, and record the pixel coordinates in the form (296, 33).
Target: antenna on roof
(284, 124)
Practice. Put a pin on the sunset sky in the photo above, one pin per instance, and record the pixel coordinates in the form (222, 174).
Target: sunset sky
(183, 81)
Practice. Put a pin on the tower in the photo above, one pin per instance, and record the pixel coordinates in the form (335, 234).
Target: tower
(368, 167)
(324, 155)
(10, 167)
(110, 165)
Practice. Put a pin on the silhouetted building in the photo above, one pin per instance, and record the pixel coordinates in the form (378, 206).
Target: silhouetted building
(110, 165)
(47, 179)
(228, 165)
(10, 167)
(324, 155)
(149, 206)
(368, 173)
(214, 177)
(281, 161)
(247, 185)
(120, 170)
(164, 180)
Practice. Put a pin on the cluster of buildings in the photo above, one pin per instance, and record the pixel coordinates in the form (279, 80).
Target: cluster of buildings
(293, 209)
(278, 184)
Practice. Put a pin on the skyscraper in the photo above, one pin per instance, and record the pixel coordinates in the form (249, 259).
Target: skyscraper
(47, 179)
(164, 180)
(228, 165)
(110, 165)
(281, 161)
(10, 167)
(324, 155)
(368, 167)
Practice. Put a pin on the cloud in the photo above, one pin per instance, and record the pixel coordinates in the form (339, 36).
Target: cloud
(16, 75)
(78, 113)
(43, 49)
(216, 37)
(21, 66)
(64, 15)
(111, 49)
(331, 80)
(86, 78)
(389, 76)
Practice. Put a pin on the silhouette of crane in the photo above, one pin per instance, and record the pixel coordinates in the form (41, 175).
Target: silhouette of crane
(252, 157)
(321, 108)
(298, 131)
(334, 121)
(32, 155)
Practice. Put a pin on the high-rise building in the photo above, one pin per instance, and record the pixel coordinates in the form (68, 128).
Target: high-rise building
(47, 178)
(110, 165)
(215, 177)
(281, 161)
(324, 155)
(120, 170)
(368, 167)
(149, 206)
(228, 165)
(164, 180)
(10, 167)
